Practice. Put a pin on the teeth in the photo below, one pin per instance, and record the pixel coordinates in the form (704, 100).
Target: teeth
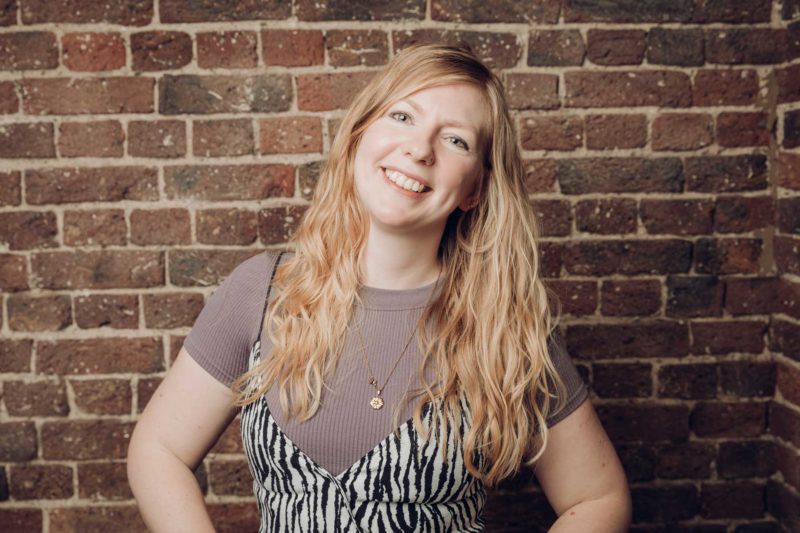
(404, 181)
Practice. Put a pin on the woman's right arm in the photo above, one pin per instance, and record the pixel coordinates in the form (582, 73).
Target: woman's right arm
(181, 422)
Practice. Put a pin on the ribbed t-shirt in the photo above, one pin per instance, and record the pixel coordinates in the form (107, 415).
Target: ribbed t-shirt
(345, 427)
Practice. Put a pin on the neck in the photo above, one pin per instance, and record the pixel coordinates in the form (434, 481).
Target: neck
(400, 262)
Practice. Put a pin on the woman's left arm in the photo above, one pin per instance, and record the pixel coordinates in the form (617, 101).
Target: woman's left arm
(582, 477)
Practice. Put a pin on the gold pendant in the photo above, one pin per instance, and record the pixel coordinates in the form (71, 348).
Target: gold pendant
(376, 402)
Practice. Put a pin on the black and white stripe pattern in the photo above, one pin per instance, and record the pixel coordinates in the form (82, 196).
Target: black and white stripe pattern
(400, 485)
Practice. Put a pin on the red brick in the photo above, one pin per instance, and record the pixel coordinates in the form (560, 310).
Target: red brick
(788, 300)
(39, 313)
(37, 398)
(728, 256)
(730, 336)
(615, 47)
(93, 51)
(158, 138)
(352, 48)
(742, 129)
(10, 188)
(746, 45)
(160, 226)
(725, 87)
(532, 91)
(191, 93)
(682, 131)
(555, 48)
(308, 175)
(41, 482)
(658, 11)
(606, 216)
(27, 140)
(535, 11)
(783, 504)
(743, 459)
(193, 268)
(228, 182)
(9, 101)
(22, 520)
(495, 49)
(95, 227)
(227, 49)
(85, 439)
(787, 254)
(628, 257)
(741, 214)
(91, 356)
(277, 225)
(619, 174)
(733, 11)
(627, 89)
(100, 184)
(227, 137)
(677, 217)
(784, 337)
(15, 355)
(98, 269)
(127, 13)
(606, 132)
(327, 91)
(743, 499)
(160, 50)
(728, 419)
(71, 96)
(227, 226)
(13, 272)
(231, 440)
(222, 10)
(17, 441)
(95, 518)
(28, 50)
(171, 310)
(577, 298)
(553, 132)
(400, 10)
(622, 380)
(26, 230)
(750, 296)
(788, 463)
(675, 47)
(694, 296)
(630, 298)
(118, 311)
(103, 481)
(788, 382)
(788, 80)
(290, 135)
(719, 174)
(784, 422)
(231, 477)
(684, 460)
(8, 17)
(144, 391)
(554, 216)
(653, 338)
(293, 48)
(692, 381)
(102, 396)
(104, 138)
(747, 379)
(651, 422)
(789, 215)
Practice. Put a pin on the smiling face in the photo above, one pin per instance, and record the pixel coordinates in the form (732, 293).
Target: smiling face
(432, 137)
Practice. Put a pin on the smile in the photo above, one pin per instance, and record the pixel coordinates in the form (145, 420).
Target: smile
(407, 192)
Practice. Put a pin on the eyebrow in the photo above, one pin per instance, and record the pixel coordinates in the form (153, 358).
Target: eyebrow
(416, 106)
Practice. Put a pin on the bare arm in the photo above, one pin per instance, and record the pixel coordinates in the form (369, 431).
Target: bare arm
(184, 418)
(582, 476)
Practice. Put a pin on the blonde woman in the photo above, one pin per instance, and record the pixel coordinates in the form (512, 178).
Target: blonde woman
(413, 292)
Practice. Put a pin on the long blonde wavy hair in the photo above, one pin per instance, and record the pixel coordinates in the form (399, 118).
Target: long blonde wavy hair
(490, 323)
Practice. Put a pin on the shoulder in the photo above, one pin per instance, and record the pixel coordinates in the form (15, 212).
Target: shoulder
(253, 269)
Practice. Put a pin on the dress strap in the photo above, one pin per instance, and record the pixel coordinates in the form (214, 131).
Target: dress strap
(266, 300)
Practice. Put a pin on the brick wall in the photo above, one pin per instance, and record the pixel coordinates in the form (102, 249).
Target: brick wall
(149, 146)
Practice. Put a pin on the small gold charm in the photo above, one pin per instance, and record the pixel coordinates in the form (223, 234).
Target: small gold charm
(376, 402)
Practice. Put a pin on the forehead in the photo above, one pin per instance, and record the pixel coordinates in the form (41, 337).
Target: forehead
(461, 105)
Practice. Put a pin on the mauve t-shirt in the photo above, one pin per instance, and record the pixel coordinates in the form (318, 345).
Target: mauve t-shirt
(345, 427)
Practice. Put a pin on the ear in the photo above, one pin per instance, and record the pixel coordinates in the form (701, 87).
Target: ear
(473, 199)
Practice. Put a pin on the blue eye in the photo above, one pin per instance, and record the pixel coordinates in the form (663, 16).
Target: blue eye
(395, 113)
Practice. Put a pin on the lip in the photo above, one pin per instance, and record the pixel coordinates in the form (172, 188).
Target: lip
(410, 194)
(410, 175)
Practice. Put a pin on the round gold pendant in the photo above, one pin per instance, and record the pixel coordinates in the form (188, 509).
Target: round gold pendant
(376, 402)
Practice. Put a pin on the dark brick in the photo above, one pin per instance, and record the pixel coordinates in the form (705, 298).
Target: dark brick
(328, 91)
(554, 216)
(118, 311)
(649, 422)
(8, 17)
(693, 381)
(744, 459)
(577, 298)
(226, 137)
(791, 129)
(36, 398)
(223, 10)
(675, 47)
(627, 89)
(733, 11)
(685, 460)
(87, 96)
(27, 140)
(193, 268)
(627, 257)
(606, 216)
(786, 253)
(26, 230)
(741, 214)
(293, 48)
(731, 336)
(158, 138)
(191, 93)
(719, 174)
(535, 11)
(17, 441)
(743, 499)
(100, 184)
(628, 11)
(677, 217)
(10, 188)
(277, 225)
(606, 132)
(728, 256)
(229, 182)
(730, 419)
(725, 87)
(654, 338)
(663, 504)
(788, 80)
(102, 269)
(736, 129)
(41, 482)
(789, 215)
(694, 296)
(783, 504)
(125, 12)
(39, 313)
(550, 48)
(615, 47)
(226, 226)
(553, 132)
(351, 48)
(171, 310)
(757, 46)
(497, 50)
(750, 296)
(13, 272)
(160, 50)
(630, 297)
(227, 49)
(784, 422)
(682, 131)
(622, 380)
(309, 10)
(28, 50)
(532, 91)
(619, 174)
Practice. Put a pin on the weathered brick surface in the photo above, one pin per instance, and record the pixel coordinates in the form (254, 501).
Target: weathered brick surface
(147, 152)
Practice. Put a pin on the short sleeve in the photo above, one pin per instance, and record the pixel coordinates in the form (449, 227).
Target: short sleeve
(577, 391)
(228, 325)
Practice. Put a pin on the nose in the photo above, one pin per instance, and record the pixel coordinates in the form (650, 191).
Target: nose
(420, 149)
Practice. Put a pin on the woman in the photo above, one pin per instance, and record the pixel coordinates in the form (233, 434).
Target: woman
(413, 293)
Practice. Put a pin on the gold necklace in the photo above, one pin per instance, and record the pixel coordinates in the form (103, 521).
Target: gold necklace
(377, 402)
